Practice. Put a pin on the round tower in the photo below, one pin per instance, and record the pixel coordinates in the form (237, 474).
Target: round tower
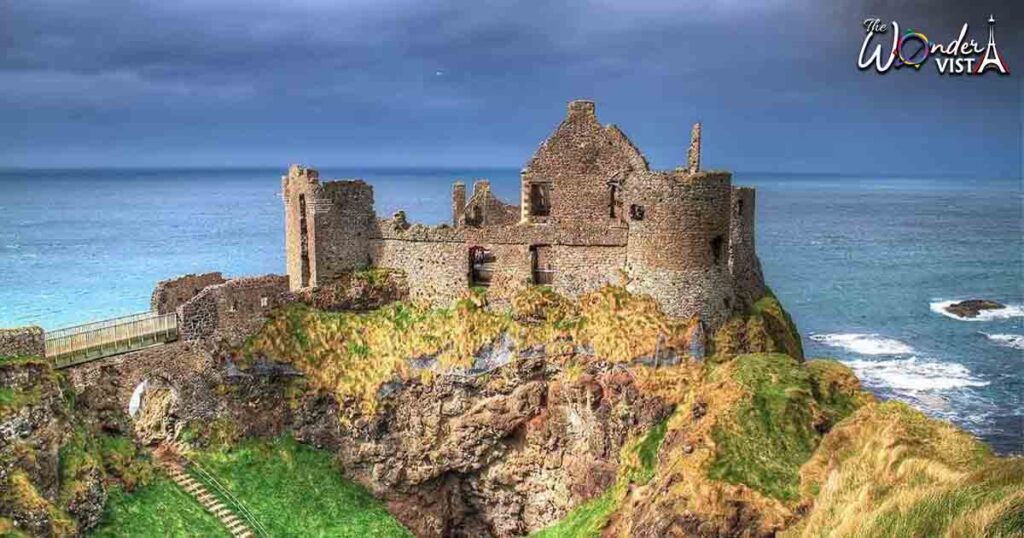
(678, 241)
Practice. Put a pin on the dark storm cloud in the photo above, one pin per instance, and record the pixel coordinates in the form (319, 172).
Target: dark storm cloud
(408, 82)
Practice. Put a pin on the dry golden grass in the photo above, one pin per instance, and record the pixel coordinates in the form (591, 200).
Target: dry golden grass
(352, 355)
(890, 471)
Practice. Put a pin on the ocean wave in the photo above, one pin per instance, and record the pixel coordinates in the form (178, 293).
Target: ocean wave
(914, 375)
(864, 344)
(1012, 341)
(1007, 312)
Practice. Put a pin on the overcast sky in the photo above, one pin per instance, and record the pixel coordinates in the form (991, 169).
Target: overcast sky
(481, 83)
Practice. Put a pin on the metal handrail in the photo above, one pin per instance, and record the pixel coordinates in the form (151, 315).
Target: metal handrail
(101, 339)
(243, 510)
(93, 325)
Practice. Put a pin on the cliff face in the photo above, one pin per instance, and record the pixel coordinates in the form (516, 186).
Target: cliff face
(59, 453)
(495, 455)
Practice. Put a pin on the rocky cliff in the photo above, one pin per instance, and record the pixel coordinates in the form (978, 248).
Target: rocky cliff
(596, 417)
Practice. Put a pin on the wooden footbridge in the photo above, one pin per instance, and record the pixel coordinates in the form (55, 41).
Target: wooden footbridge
(83, 343)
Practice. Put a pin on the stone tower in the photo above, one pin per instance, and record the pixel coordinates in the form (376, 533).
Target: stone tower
(327, 226)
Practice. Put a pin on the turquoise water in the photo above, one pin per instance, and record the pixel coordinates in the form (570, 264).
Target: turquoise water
(863, 264)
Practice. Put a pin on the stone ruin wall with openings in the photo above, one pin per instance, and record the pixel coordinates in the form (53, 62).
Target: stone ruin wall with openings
(683, 236)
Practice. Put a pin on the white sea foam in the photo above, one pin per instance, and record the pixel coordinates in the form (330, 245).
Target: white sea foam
(1012, 341)
(1008, 311)
(914, 375)
(864, 344)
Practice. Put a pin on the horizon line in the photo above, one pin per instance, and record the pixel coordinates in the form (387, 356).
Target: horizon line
(284, 169)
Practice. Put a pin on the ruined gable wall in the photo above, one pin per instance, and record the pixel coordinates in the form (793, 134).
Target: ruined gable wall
(744, 265)
(485, 209)
(172, 293)
(578, 160)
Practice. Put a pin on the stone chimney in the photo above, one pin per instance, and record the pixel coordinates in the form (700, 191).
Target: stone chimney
(582, 108)
(458, 203)
(693, 156)
(481, 186)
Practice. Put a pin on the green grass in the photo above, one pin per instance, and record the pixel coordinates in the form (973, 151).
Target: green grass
(159, 509)
(587, 519)
(771, 433)
(647, 454)
(295, 490)
(638, 464)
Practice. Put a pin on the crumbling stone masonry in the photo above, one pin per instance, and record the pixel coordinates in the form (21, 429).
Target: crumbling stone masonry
(232, 310)
(591, 212)
(172, 293)
(22, 342)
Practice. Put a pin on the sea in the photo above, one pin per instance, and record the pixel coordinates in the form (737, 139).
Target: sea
(863, 264)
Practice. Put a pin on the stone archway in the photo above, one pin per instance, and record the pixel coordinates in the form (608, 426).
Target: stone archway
(152, 408)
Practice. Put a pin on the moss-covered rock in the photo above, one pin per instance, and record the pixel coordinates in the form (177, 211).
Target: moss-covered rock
(767, 328)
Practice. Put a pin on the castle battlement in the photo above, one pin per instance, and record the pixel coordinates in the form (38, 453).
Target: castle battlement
(590, 210)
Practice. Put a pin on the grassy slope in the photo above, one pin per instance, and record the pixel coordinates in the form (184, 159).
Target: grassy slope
(159, 509)
(295, 490)
(890, 471)
(352, 354)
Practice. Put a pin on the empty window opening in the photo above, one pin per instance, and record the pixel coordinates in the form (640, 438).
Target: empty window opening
(475, 217)
(636, 212)
(716, 249)
(303, 241)
(264, 302)
(739, 208)
(540, 263)
(613, 197)
(481, 264)
(540, 199)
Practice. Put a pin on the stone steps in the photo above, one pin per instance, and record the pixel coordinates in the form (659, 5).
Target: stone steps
(234, 524)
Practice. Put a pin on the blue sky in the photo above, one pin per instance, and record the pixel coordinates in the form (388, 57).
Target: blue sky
(460, 84)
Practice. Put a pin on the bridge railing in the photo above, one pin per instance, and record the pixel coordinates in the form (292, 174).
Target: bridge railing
(82, 343)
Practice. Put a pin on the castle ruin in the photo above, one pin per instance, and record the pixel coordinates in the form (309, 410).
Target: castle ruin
(591, 212)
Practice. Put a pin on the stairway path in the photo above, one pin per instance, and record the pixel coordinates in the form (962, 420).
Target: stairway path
(167, 456)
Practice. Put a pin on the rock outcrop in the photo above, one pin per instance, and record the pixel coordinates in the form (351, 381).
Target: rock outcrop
(972, 307)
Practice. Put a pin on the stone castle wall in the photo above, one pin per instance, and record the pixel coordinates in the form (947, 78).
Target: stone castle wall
(172, 293)
(23, 342)
(233, 310)
(578, 161)
(669, 234)
(744, 265)
(678, 250)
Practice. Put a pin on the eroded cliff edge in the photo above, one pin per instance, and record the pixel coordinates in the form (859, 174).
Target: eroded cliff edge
(571, 418)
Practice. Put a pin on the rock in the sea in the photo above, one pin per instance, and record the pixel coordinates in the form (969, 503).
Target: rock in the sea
(972, 307)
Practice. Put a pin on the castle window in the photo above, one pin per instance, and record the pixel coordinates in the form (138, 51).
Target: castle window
(613, 197)
(716, 249)
(636, 212)
(264, 302)
(540, 264)
(540, 199)
(303, 242)
(481, 267)
(739, 208)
